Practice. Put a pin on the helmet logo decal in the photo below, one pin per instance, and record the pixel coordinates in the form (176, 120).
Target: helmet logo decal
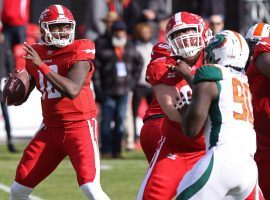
(217, 42)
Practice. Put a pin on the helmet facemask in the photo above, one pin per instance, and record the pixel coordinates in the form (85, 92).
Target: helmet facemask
(56, 38)
(187, 44)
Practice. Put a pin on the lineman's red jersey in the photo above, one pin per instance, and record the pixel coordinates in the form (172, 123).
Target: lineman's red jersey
(259, 87)
(58, 110)
(161, 51)
(158, 72)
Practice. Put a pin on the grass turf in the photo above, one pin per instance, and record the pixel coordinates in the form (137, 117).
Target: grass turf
(120, 178)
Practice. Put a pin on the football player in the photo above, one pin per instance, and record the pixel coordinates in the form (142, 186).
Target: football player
(61, 69)
(254, 34)
(221, 103)
(153, 119)
(258, 73)
(187, 35)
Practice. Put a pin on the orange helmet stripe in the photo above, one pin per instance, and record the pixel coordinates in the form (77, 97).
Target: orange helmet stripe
(258, 30)
(237, 35)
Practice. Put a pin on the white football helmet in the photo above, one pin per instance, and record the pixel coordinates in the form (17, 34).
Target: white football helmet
(56, 14)
(190, 43)
(258, 31)
(228, 48)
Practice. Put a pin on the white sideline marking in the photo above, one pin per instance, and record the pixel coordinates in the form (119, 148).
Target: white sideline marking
(7, 189)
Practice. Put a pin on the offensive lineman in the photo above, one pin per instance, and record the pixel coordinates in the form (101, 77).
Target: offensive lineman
(187, 35)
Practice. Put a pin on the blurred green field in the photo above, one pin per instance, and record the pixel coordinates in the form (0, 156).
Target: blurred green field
(120, 178)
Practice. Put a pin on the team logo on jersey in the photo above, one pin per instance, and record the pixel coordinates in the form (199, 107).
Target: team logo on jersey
(50, 52)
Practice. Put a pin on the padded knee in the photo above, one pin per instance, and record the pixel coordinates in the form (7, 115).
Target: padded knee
(19, 192)
(93, 191)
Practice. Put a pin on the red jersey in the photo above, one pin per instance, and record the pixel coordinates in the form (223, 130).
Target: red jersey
(259, 87)
(156, 68)
(15, 12)
(59, 110)
(158, 73)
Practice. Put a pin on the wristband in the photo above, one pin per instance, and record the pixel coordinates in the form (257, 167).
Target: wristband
(45, 69)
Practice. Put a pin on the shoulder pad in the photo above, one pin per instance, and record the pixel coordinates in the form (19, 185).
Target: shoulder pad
(161, 49)
(208, 73)
(84, 49)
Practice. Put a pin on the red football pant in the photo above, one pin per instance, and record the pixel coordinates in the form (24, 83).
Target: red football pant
(51, 145)
(262, 158)
(166, 170)
(149, 137)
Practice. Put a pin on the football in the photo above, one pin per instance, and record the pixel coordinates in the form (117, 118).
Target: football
(16, 87)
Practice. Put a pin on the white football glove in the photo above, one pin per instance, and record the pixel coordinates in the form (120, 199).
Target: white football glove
(185, 94)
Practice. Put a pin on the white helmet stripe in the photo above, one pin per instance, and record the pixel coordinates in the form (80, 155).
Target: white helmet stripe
(60, 9)
(177, 18)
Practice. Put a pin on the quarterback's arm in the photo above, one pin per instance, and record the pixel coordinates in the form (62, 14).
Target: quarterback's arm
(71, 85)
(194, 117)
(262, 63)
(166, 98)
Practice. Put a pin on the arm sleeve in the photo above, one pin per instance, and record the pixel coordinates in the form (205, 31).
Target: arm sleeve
(158, 73)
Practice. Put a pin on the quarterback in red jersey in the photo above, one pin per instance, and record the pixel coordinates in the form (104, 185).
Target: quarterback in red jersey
(258, 73)
(61, 69)
(187, 35)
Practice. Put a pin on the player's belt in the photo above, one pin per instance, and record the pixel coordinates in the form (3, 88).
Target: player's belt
(152, 117)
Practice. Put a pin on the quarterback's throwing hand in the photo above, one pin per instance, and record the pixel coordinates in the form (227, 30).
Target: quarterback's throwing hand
(31, 54)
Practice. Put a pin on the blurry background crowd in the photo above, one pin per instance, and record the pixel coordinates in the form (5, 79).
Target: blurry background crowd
(122, 94)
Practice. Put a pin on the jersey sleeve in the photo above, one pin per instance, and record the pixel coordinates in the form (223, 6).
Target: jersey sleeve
(85, 51)
(207, 73)
(261, 47)
(158, 73)
(160, 50)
